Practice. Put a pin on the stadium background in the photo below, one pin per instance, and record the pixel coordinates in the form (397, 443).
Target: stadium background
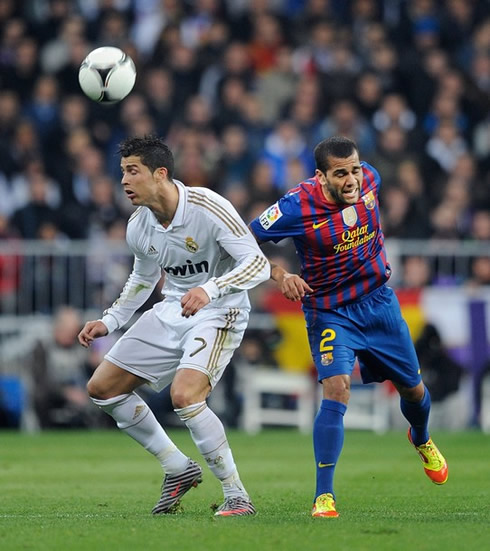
(242, 91)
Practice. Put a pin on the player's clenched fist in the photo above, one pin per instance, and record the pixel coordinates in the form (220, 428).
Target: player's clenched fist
(90, 331)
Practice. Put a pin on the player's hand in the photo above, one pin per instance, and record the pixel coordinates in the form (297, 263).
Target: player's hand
(293, 287)
(91, 331)
(193, 301)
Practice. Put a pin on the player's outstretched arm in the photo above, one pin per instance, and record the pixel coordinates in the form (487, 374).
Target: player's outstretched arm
(292, 286)
(91, 331)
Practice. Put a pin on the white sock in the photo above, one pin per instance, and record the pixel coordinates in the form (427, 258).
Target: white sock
(135, 418)
(208, 434)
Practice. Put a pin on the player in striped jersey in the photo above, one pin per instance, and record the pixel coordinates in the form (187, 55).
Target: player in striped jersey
(209, 260)
(333, 219)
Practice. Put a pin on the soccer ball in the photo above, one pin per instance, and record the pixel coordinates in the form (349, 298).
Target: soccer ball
(107, 75)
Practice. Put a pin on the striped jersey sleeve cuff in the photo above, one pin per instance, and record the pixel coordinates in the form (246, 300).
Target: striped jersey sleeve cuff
(110, 322)
(211, 289)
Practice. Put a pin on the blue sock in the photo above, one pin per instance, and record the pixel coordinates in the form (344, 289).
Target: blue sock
(417, 414)
(328, 439)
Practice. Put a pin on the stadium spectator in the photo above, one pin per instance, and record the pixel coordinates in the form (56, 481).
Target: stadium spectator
(254, 124)
(480, 225)
(265, 43)
(284, 143)
(9, 268)
(230, 103)
(446, 145)
(107, 264)
(42, 109)
(314, 55)
(59, 370)
(480, 273)
(103, 209)
(307, 107)
(416, 273)
(276, 87)
(236, 159)
(18, 193)
(442, 375)
(39, 206)
(392, 149)
(159, 91)
(344, 119)
(368, 94)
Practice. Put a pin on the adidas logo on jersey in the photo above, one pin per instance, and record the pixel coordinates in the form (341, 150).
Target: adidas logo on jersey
(152, 250)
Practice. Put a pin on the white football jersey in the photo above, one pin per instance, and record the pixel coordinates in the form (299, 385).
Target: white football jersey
(206, 245)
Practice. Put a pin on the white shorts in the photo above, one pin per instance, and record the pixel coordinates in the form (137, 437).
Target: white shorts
(162, 341)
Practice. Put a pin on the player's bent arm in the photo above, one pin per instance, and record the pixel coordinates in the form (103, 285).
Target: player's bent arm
(252, 267)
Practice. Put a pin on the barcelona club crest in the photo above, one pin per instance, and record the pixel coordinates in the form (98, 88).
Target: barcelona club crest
(326, 358)
(191, 245)
(369, 200)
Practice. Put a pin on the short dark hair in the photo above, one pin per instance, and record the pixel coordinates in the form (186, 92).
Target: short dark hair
(152, 150)
(336, 146)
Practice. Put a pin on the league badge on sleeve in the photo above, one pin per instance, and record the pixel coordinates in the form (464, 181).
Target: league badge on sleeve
(270, 216)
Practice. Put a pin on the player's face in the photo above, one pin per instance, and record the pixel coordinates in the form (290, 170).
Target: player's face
(139, 183)
(342, 181)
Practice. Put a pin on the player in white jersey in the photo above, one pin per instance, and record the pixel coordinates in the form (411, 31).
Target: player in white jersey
(209, 260)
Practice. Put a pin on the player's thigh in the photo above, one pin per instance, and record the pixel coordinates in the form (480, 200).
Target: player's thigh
(150, 348)
(391, 355)
(109, 380)
(209, 344)
(333, 342)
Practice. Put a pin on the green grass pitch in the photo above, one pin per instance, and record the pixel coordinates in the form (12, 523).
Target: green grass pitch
(95, 490)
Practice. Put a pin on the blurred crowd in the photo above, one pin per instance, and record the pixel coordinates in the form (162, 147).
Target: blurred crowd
(242, 90)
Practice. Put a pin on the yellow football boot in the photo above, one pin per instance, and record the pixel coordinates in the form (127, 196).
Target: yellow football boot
(324, 507)
(435, 466)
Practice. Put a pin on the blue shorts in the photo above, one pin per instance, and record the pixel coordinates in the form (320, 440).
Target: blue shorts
(372, 330)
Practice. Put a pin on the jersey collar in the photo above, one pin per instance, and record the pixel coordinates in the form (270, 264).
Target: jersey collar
(178, 219)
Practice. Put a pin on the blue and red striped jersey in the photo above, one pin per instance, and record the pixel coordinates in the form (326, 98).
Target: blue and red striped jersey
(340, 247)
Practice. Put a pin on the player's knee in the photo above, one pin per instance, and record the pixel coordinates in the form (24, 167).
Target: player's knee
(96, 389)
(93, 390)
(182, 397)
(337, 388)
(414, 394)
(189, 387)
(339, 395)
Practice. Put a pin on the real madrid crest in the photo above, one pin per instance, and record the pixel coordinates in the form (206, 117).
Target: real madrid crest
(349, 216)
(191, 245)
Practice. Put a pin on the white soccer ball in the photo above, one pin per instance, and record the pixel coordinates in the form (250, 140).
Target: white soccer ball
(107, 75)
